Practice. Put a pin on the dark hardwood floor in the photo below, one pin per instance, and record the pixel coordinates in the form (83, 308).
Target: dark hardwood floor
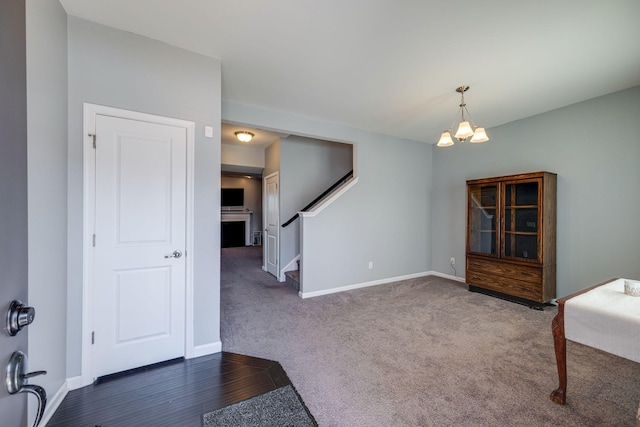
(176, 394)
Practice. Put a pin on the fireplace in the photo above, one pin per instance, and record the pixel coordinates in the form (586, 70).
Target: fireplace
(235, 228)
(232, 234)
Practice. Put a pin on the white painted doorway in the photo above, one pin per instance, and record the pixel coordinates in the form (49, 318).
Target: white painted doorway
(138, 222)
(272, 223)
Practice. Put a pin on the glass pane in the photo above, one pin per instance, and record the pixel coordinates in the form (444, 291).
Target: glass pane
(521, 220)
(525, 194)
(483, 242)
(527, 220)
(521, 246)
(488, 196)
(484, 195)
(482, 219)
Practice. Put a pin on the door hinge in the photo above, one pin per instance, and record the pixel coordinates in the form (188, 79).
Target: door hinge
(93, 135)
(94, 240)
(93, 337)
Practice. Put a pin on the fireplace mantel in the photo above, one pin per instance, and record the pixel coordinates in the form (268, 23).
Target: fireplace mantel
(232, 216)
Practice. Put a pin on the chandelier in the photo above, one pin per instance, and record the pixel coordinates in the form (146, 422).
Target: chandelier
(466, 128)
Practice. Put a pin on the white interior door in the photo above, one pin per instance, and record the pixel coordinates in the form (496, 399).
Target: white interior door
(272, 223)
(140, 237)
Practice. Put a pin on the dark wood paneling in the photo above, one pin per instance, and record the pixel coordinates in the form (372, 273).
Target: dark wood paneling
(517, 288)
(519, 272)
(172, 395)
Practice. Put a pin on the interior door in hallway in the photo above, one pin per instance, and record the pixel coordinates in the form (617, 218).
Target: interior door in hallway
(140, 238)
(272, 215)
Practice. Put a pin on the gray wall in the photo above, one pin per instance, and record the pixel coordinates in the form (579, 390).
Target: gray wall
(271, 159)
(594, 149)
(252, 196)
(307, 168)
(384, 218)
(47, 180)
(119, 69)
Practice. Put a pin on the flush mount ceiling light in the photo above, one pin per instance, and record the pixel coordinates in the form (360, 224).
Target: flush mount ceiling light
(466, 128)
(244, 136)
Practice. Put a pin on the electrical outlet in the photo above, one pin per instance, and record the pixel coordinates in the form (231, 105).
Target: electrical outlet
(453, 261)
(370, 265)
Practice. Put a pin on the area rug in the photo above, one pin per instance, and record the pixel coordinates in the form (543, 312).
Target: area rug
(280, 407)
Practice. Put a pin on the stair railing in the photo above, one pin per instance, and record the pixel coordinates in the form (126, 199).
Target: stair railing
(320, 197)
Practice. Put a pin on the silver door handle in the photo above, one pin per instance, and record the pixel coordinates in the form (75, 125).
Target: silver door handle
(17, 378)
(175, 254)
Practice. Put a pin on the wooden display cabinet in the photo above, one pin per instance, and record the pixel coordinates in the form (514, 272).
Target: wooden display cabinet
(511, 237)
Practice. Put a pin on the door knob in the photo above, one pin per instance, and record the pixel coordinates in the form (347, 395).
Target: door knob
(17, 379)
(175, 254)
(19, 316)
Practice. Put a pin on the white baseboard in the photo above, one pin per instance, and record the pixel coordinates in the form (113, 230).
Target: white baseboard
(206, 349)
(75, 383)
(54, 402)
(378, 282)
(447, 276)
(361, 285)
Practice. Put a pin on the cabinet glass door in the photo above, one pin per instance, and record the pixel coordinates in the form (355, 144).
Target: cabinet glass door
(483, 232)
(521, 220)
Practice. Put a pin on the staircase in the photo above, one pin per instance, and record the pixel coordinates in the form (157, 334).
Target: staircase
(292, 278)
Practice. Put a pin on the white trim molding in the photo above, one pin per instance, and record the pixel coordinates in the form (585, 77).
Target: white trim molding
(447, 276)
(74, 383)
(206, 349)
(326, 202)
(362, 285)
(54, 403)
(377, 282)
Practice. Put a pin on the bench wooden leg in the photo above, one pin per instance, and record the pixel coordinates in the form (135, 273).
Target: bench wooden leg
(559, 395)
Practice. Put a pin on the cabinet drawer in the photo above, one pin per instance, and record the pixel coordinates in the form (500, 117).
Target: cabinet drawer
(506, 285)
(518, 272)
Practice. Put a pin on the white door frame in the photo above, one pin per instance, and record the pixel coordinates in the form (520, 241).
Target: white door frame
(90, 111)
(265, 207)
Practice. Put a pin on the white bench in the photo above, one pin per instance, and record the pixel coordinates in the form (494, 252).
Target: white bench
(602, 317)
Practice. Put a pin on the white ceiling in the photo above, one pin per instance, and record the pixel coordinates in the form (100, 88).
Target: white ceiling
(391, 66)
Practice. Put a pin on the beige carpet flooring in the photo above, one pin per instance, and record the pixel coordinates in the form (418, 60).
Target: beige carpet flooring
(421, 352)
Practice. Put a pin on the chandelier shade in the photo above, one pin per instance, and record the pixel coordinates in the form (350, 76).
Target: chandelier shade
(479, 135)
(464, 131)
(466, 128)
(445, 139)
